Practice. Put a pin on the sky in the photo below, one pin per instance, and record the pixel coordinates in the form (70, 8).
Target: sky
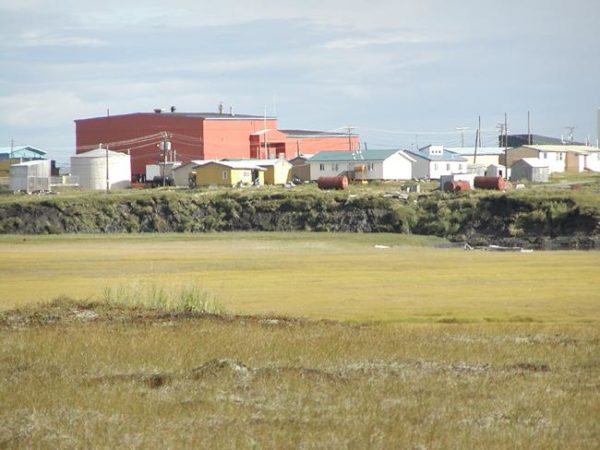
(403, 73)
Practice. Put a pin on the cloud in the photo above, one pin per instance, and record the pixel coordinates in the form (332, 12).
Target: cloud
(49, 39)
(44, 109)
(381, 40)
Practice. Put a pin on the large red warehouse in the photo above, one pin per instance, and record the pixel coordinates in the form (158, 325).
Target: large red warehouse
(201, 136)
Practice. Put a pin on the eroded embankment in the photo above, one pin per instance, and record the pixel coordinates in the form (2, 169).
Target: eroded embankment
(563, 220)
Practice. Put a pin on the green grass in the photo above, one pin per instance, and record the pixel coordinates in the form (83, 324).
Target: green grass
(315, 275)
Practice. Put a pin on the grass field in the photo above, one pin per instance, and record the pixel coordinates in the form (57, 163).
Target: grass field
(423, 347)
(332, 276)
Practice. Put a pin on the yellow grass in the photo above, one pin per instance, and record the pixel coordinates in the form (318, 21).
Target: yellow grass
(523, 373)
(341, 276)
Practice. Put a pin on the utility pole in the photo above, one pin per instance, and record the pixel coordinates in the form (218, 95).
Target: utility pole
(165, 146)
(266, 143)
(349, 128)
(462, 135)
(506, 146)
(12, 148)
(528, 128)
(107, 175)
(477, 139)
(571, 137)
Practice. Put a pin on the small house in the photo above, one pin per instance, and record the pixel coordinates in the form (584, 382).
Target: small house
(362, 165)
(185, 175)
(30, 176)
(530, 169)
(301, 167)
(277, 170)
(229, 173)
(433, 161)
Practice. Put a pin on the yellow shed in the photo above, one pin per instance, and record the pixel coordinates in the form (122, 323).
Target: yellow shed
(229, 173)
(279, 171)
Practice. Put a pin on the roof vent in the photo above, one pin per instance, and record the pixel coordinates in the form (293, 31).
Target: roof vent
(173, 109)
(157, 110)
(221, 106)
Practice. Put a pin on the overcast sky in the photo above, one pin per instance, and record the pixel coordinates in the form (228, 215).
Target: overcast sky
(403, 73)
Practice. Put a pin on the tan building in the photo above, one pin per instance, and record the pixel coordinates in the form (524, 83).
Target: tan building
(301, 167)
(560, 158)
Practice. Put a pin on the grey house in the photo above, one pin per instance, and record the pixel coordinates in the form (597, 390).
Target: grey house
(530, 169)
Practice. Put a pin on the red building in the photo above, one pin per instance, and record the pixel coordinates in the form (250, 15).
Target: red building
(201, 136)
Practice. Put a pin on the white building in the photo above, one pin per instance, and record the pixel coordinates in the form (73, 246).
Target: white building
(433, 161)
(479, 155)
(30, 176)
(161, 170)
(91, 169)
(362, 165)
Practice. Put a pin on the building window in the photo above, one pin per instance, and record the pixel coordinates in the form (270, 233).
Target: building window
(371, 167)
(224, 174)
(460, 167)
(435, 166)
(560, 156)
(321, 167)
(448, 166)
(544, 155)
(334, 167)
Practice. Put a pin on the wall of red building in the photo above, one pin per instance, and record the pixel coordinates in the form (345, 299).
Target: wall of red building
(230, 138)
(186, 138)
(312, 145)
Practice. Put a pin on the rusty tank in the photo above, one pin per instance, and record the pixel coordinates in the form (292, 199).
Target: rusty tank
(495, 183)
(457, 186)
(339, 182)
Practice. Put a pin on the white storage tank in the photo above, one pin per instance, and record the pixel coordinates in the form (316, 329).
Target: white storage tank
(30, 176)
(90, 168)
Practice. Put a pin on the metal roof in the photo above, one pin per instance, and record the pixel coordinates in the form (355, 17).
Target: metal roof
(31, 163)
(99, 153)
(516, 140)
(18, 151)
(562, 148)
(364, 155)
(470, 151)
(260, 162)
(312, 133)
(194, 115)
(534, 162)
(445, 156)
(240, 165)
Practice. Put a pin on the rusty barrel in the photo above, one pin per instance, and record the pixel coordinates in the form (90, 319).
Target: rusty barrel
(457, 186)
(497, 183)
(340, 182)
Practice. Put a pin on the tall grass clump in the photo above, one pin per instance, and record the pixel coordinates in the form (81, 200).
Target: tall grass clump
(185, 298)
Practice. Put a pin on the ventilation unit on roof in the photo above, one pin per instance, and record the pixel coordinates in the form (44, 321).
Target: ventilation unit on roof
(157, 110)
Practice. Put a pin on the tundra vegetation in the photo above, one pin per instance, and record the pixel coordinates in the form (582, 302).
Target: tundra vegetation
(279, 340)
(539, 218)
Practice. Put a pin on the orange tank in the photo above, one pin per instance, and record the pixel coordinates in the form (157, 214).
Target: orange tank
(333, 182)
(497, 183)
